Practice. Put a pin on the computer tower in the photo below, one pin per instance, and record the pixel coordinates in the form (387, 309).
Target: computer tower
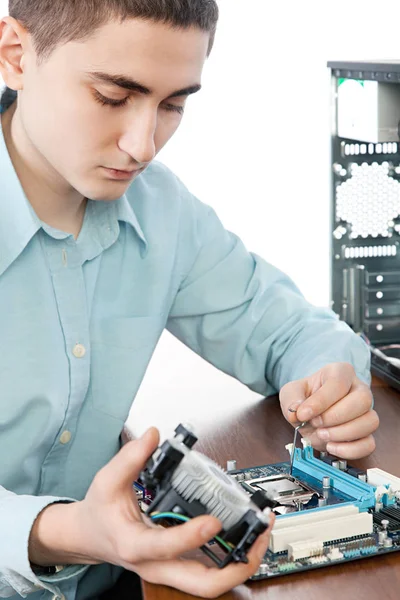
(365, 218)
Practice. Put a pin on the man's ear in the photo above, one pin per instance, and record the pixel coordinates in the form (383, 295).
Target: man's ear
(12, 41)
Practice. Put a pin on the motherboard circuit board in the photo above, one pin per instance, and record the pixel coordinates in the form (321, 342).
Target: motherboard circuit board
(327, 512)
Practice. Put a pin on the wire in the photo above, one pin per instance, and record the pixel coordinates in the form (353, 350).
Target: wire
(178, 517)
(169, 515)
(386, 347)
(380, 351)
(389, 347)
(364, 337)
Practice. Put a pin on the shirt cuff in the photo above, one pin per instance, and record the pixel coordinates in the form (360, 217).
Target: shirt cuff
(17, 516)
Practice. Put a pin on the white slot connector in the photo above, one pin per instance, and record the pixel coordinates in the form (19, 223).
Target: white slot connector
(289, 448)
(305, 549)
(335, 554)
(306, 443)
(378, 477)
(324, 530)
(300, 518)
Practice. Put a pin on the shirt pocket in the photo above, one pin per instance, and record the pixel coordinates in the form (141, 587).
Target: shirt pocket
(121, 349)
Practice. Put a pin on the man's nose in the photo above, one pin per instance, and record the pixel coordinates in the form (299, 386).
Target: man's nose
(139, 139)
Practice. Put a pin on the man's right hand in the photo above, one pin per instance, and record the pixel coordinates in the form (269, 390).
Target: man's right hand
(108, 526)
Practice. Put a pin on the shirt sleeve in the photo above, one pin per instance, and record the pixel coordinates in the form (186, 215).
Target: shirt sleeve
(17, 516)
(248, 318)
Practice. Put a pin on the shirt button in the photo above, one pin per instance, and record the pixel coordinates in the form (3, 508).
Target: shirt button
(79, 351)
(65, 437)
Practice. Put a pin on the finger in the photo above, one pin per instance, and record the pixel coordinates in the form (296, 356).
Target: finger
(354, 405)
(126, 466)
(204, 581)
(291, 396)
(171, 542)
(352, 450)
(314, 440)
(310, 434)
(326, 396)
(351, 431)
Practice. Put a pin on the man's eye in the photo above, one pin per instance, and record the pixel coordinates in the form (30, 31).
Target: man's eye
(105, 101)
(174, 108)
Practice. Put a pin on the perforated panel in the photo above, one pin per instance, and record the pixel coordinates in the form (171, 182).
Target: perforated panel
(369, 200)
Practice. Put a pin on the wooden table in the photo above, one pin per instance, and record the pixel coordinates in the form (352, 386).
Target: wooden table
(253, 432)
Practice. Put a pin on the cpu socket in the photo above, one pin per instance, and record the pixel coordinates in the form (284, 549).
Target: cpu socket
(283, 489)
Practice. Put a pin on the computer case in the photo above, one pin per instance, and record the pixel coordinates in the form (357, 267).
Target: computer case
(365, 217)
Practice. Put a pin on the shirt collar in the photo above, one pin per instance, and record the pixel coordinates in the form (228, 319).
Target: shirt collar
(124, 212)
(19, 222)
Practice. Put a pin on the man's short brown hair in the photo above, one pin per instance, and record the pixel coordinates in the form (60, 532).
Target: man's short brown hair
(53, 22)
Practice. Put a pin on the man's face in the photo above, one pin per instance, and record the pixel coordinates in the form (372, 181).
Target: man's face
(85, 128)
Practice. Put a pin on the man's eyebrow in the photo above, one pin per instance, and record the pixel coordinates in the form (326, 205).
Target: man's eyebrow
(134, 86)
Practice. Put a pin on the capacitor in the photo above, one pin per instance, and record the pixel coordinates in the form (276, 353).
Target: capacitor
(382, 536)
(342, 465)
(263, 569)
(336, 464)
(247, 476)
(326, 481)
(388, 543)
(240, 476)
(321, 501)
(231, 465)
(385, 524)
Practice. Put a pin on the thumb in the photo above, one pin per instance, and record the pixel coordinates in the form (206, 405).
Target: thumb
(291, 396)
(126, 466)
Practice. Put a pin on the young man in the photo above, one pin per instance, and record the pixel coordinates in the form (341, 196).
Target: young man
(100, 249)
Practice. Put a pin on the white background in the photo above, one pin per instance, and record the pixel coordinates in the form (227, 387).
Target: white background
(255, 145)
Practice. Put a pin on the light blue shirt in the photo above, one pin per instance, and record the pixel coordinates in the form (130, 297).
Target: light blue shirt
(79, 321)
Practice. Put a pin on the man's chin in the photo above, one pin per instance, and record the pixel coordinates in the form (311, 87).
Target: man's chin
(106, 193)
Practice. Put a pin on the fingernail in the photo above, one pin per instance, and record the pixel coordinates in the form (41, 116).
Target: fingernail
(323, 434)
(305, 413)
(293, 407)
(331, 448)
(147, 431)
(317, 422)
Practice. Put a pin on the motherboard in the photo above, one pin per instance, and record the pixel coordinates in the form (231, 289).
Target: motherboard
(327, 511)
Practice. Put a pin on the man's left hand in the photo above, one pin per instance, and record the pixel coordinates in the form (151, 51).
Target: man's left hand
(338, 409)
